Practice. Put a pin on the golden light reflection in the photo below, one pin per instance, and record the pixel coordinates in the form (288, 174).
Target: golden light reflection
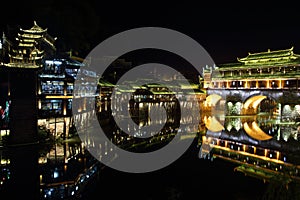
(213, 99)
(254, 101)
(213, 124)
(255, 132)
(246, 84)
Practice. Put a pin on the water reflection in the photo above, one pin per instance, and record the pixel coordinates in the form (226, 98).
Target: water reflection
(19, 172)
(60, 170)
(260, 145)
(65, 170)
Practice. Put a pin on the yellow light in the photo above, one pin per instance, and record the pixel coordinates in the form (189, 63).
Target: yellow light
(246, 84)
(41, 178)
(228, 84)
(59, 97)
(267, 83)
(255, 132)
(257, 102)
(266, 151)
(254, 101)
(213, 99)
(65, 110)
(277, 155)
(214, 125)
(279, 83)
(4, 161)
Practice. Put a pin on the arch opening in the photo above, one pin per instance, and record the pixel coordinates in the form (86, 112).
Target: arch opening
(258, 104)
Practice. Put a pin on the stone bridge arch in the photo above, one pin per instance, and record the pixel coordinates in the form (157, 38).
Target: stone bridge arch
(213, 99)
(249, 98)
(251, 104)
(215, 104)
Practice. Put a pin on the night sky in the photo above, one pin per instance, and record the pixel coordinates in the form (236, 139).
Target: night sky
(226, 32)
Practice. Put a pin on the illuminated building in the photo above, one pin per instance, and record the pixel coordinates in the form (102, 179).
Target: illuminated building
(23, 60)
(259, 94)
(55, 87)
(270, 70)
(266, 76)
(36, 79)
(30, 46)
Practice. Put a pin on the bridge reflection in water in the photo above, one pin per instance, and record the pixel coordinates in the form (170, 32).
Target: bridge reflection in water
(261, 145)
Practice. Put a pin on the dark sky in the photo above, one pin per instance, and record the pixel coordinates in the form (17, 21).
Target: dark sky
(226, 32)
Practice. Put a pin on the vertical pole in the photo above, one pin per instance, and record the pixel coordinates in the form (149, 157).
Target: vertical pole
(55, 127)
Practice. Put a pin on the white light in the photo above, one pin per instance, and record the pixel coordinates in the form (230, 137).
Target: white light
(55, 174)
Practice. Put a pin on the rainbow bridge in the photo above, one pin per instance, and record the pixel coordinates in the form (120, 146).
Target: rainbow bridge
(270, 78)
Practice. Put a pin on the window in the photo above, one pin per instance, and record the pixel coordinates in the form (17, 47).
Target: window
(53, 67)
(69, 104)
(70, 88)
(53, 106)
(52, 87)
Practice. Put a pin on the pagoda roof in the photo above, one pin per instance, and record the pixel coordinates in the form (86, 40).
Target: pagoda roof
(37, 51)
(29, 36)
(285, 57)
(268, 54)
(34, 51)
(17, 57)
(49, 40)
(34, 29)
(22, 65)
(26, 40)
(26, 45)
(237, 66)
